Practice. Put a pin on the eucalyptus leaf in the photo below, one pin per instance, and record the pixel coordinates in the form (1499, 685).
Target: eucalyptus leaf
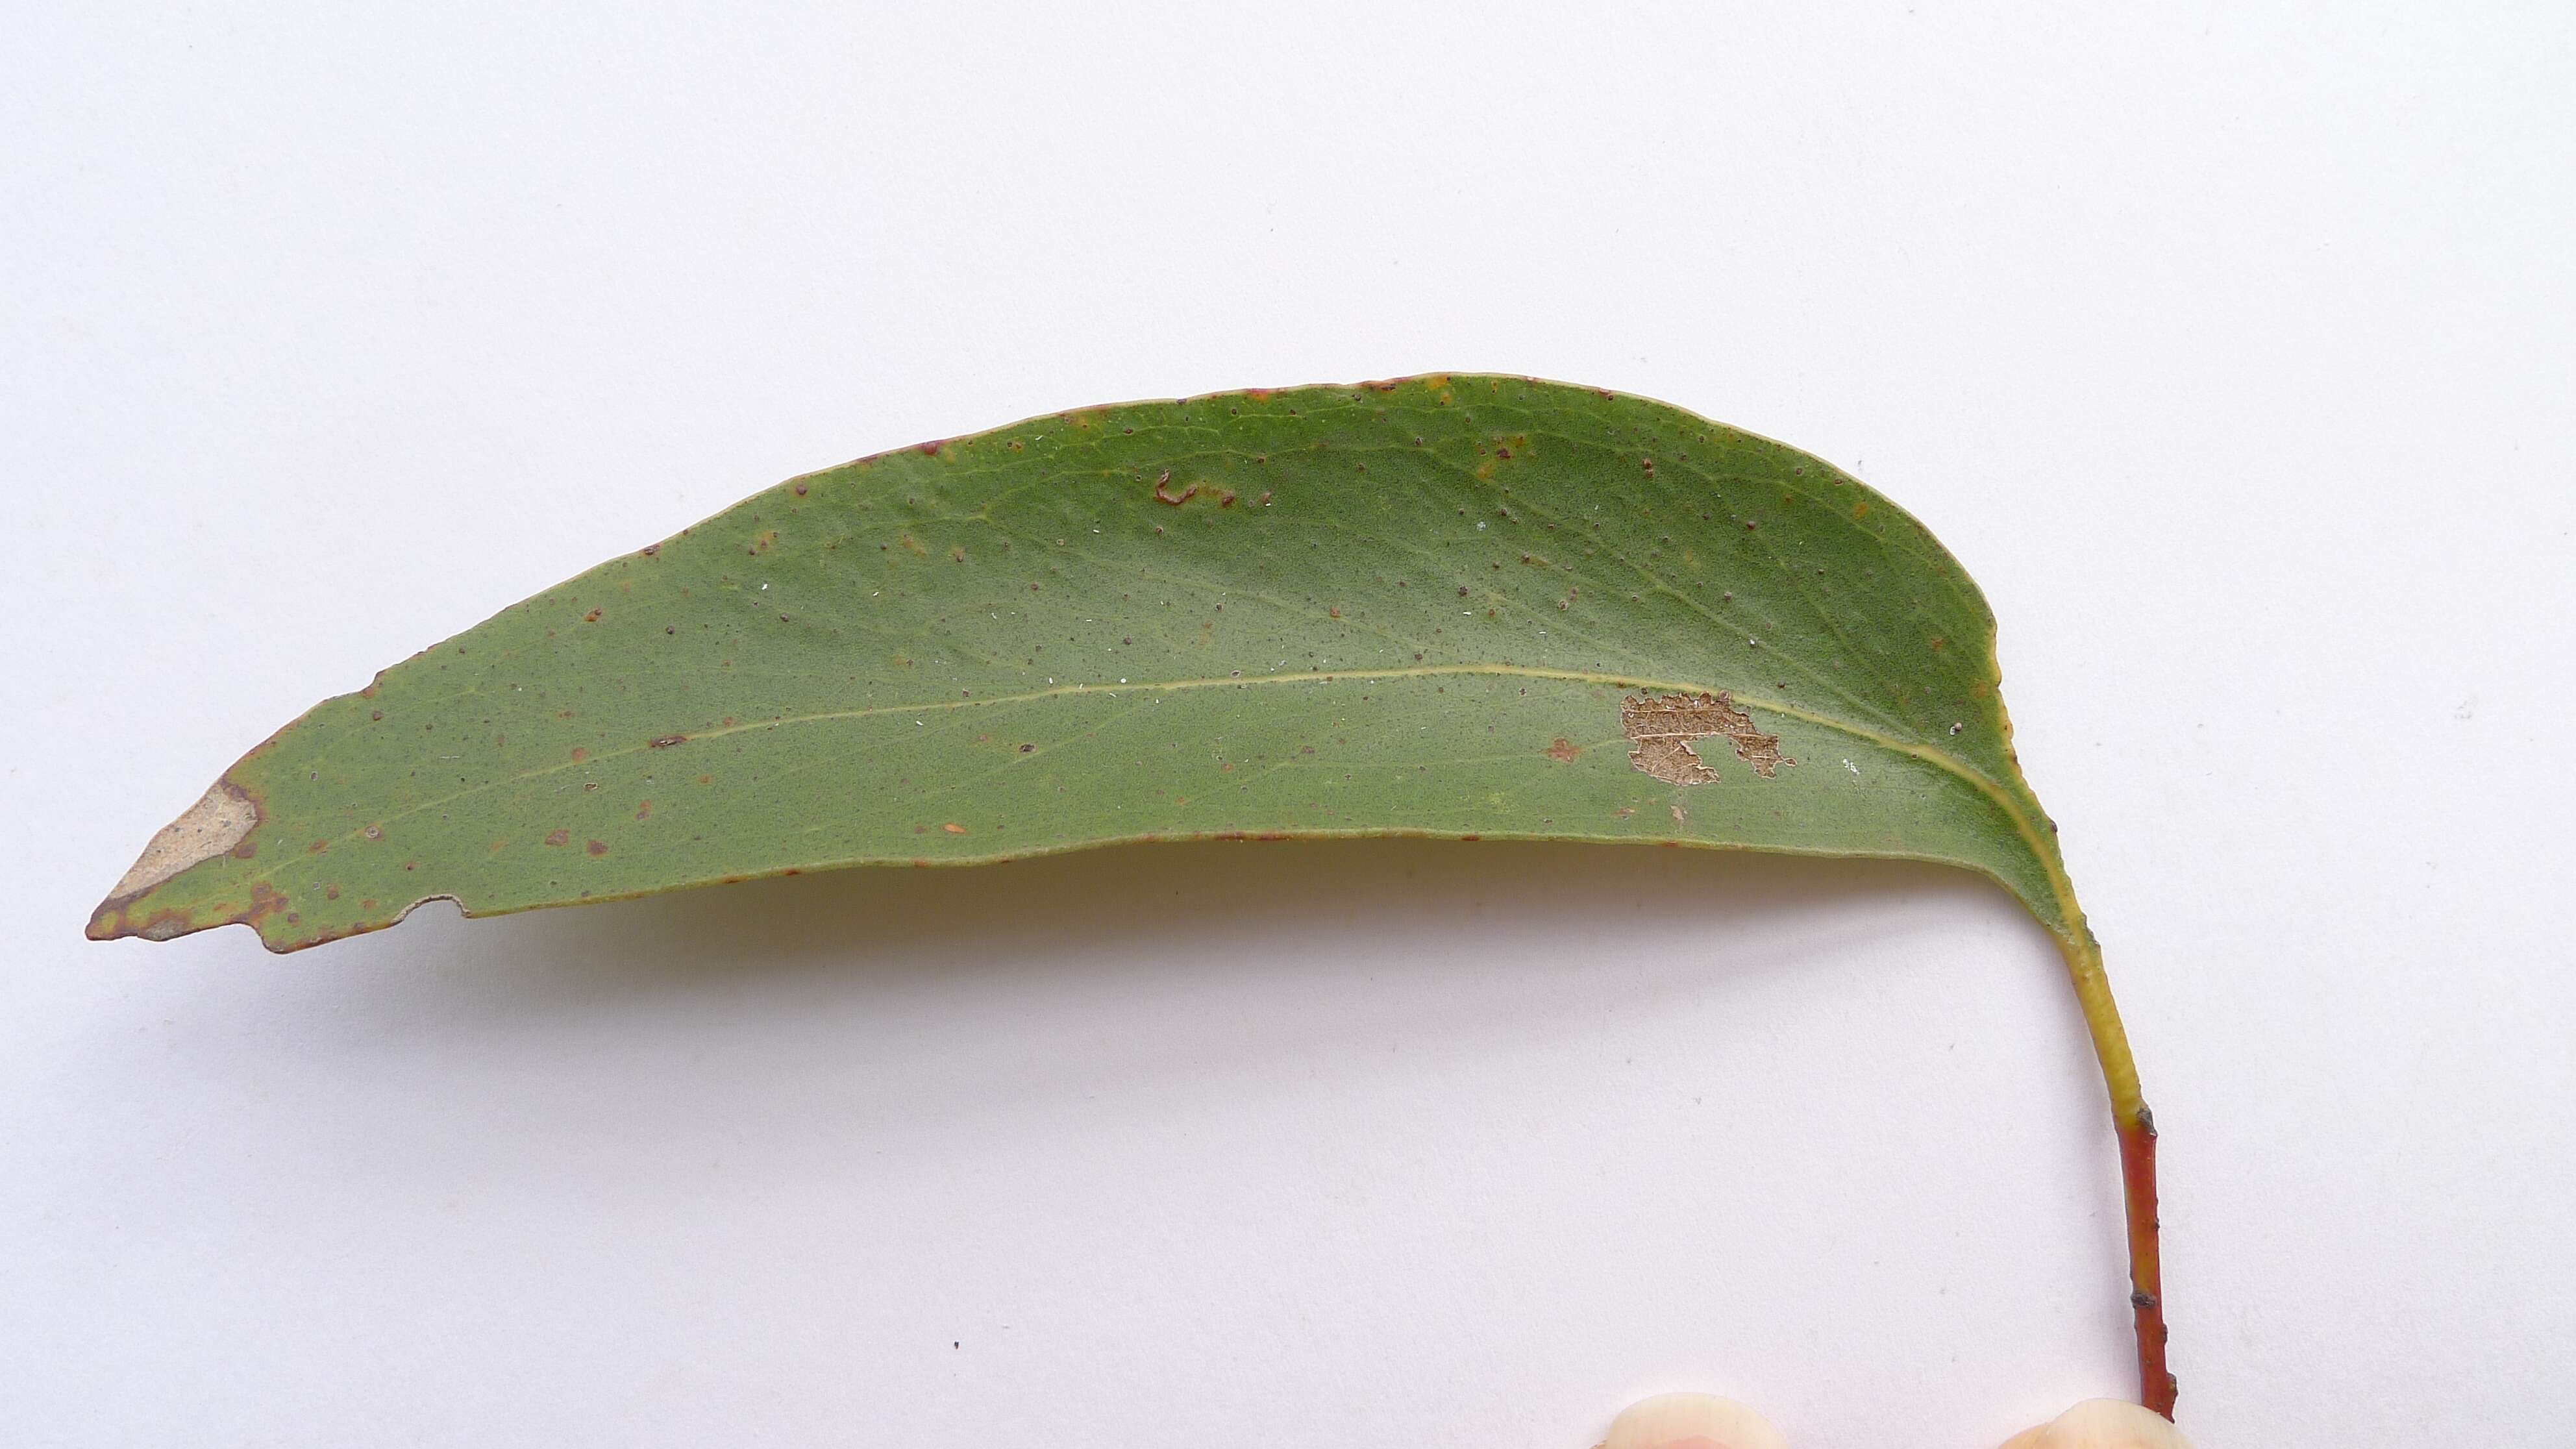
(1471, 607)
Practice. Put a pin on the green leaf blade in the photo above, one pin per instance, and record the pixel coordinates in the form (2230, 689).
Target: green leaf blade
(1407, 608)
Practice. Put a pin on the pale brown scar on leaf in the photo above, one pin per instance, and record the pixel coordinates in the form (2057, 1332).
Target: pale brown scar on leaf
(212, 827)
(1163, 494)
(1662, 727)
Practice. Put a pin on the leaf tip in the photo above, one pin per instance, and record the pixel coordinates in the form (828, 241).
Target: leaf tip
(219, 823)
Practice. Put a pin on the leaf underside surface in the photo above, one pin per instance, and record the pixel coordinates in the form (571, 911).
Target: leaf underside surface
(1451, 606)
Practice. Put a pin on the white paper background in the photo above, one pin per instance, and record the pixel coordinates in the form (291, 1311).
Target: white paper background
(2230, 349)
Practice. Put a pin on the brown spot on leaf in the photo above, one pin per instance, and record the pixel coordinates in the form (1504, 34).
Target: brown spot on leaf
(666, 741)
(1663, 727)
(598, 847)
(953, 828)
(112, 920)
(763, 541)
(591, 618)
(579, 754)
(1564, 750)
(559, 837)
(1671, 759)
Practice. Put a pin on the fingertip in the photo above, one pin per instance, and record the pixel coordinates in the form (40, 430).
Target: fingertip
(2103, 1424)
(1691, 1421)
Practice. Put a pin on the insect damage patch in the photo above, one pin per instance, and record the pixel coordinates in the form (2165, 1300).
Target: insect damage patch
(1663, 727)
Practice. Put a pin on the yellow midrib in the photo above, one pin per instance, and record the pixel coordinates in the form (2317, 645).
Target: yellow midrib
(1993, 791)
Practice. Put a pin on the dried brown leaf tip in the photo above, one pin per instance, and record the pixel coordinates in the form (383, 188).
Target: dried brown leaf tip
(1662, 728)
(213, 826)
